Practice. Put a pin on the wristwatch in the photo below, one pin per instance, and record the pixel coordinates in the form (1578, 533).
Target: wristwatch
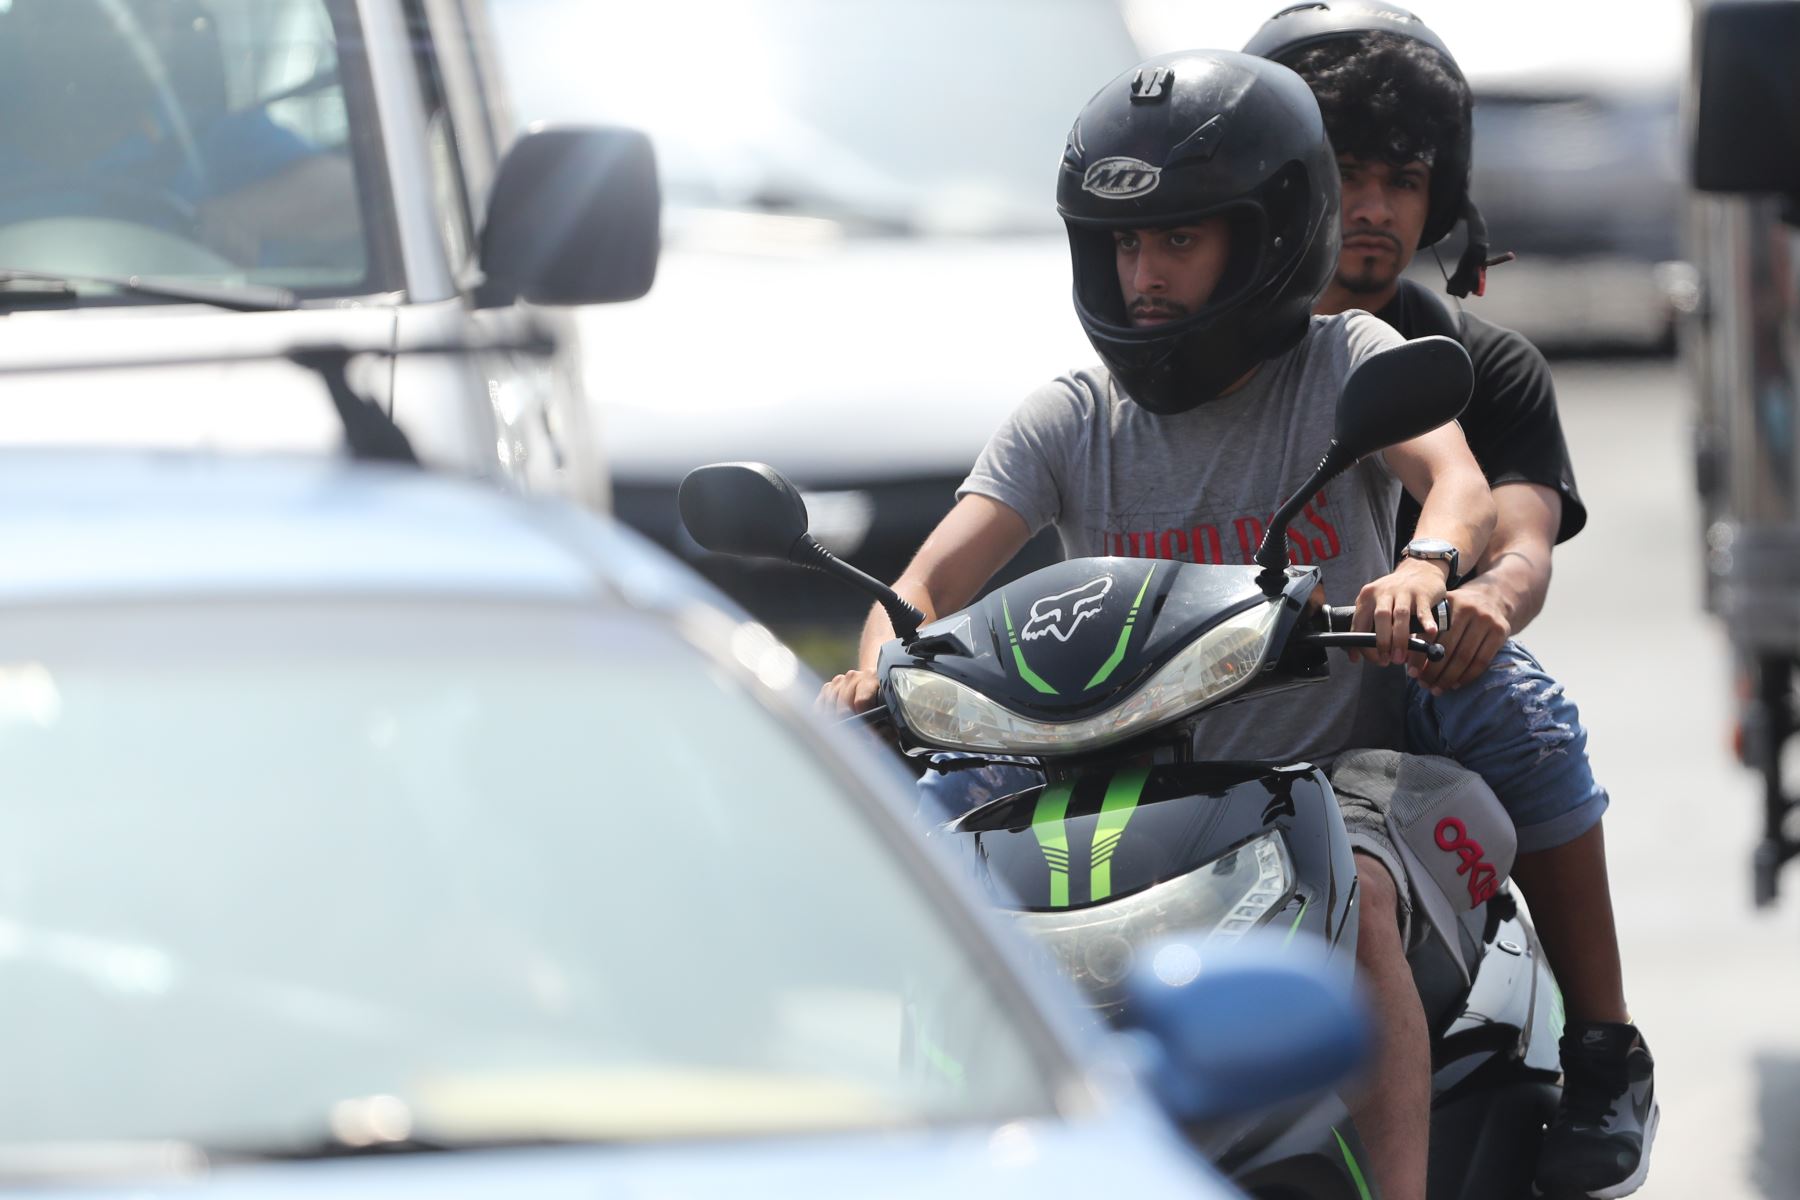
(1435, 550)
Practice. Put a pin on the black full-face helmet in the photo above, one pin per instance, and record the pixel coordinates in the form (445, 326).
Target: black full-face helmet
(1301, 27)
(1184, 137)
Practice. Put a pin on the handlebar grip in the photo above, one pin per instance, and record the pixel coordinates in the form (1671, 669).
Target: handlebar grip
(1338, 617)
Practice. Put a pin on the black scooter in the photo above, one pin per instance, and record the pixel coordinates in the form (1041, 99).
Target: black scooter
(1128, 838)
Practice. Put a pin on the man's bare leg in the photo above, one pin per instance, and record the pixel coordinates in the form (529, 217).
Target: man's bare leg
(1393, 1115)
(1571, 904)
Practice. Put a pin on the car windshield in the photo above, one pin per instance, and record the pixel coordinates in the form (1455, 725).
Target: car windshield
(272, 875)
(929, 115)
(201, 139)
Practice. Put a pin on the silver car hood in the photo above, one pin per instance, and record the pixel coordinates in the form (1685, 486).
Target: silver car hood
(66, 380)
(850, 361)
(1127, 1151)
(261, 406)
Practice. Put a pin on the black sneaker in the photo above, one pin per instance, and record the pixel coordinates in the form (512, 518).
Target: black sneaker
(1598, 1144)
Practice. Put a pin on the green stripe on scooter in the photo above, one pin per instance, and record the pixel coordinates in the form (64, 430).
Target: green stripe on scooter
(1118, 654)
(1295, 927)
(1122, 795)
(1025, 672)
(1356, 1175)
(1053, 837)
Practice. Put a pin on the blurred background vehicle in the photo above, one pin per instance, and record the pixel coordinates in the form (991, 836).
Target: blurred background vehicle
(1576, 167)
(863, 269)
(318, 170)
(1742, 344)
(353, 811)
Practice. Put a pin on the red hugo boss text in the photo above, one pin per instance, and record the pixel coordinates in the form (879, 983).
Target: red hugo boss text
(1453, 838)
(1233, 541)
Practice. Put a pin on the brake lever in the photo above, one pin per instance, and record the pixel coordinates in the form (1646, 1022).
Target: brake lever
(874, 715)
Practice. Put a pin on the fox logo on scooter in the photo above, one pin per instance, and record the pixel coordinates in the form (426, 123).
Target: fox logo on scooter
(1060, 615)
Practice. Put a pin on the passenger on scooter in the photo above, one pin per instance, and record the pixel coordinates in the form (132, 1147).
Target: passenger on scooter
(1201, 197)
(1398, 112)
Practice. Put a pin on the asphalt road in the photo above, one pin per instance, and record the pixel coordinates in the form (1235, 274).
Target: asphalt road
(1713, 982)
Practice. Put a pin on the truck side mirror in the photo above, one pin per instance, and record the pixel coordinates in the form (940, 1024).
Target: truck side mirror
(574, 218)
(1745, 107)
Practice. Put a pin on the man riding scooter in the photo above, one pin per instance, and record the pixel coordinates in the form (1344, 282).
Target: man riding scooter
(1398, 112)
(1201, 197)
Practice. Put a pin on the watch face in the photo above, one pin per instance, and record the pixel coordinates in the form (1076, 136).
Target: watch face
(1430, 548)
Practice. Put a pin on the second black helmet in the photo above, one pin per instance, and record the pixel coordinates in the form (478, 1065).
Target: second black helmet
(1178, 139)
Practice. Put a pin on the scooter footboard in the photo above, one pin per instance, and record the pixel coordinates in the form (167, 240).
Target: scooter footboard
(1318, 1156)
(1484, 1145)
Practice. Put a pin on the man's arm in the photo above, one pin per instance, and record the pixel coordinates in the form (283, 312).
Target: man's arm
(1438, 471)
(974, 540)
(1507, 591)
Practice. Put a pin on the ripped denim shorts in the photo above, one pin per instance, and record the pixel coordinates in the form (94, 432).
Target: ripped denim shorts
(1515, 728)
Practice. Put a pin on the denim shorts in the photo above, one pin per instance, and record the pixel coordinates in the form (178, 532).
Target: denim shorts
(1516, 729)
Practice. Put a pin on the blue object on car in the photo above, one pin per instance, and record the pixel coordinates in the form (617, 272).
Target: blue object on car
(1243, 1025)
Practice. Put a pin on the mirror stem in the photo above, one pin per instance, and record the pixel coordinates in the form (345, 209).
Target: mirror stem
(905, 618)
(1272, 555)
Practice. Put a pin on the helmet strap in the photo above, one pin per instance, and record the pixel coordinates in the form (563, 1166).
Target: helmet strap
(1472, 267)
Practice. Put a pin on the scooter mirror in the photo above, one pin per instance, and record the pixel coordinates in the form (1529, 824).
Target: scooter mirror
(746, 509)
(1398, 394)
(1389, 398)
(1245, 1025)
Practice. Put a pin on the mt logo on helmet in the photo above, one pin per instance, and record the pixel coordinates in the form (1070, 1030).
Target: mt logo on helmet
(1121, 178)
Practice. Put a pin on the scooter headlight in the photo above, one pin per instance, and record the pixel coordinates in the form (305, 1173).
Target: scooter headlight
(1226, 898)
(945, 713)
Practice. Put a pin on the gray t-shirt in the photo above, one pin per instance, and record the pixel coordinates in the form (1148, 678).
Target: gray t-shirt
(1200, 486)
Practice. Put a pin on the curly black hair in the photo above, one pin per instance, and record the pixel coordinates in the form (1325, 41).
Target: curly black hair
(1386, 98)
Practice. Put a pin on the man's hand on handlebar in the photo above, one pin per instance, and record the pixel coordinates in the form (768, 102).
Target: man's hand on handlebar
(1388, 606)
(1479, 628)
(849, 693)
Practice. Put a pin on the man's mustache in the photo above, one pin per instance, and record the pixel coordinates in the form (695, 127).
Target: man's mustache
(1146, 306)
(1380, 234)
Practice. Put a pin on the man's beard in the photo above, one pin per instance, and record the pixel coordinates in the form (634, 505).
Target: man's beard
(1366, 280)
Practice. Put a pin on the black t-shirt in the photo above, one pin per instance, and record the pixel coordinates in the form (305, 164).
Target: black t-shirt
(1511, 422)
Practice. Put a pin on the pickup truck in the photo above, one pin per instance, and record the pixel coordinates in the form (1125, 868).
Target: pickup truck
(211, 183)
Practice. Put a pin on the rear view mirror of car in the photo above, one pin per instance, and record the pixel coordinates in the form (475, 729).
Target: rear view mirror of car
(574, 218)
(1745, 118)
